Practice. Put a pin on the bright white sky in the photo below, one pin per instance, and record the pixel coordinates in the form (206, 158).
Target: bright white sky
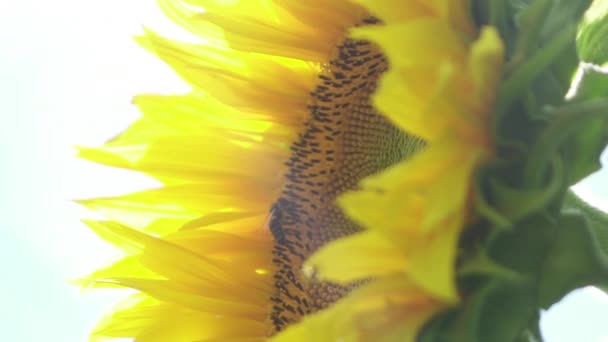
(68, 70)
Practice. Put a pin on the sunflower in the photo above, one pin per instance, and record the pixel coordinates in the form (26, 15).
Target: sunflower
(296, 106)
(422, 204)
(415, 210)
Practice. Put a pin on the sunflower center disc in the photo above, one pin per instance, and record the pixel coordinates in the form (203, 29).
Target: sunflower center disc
(344, 140)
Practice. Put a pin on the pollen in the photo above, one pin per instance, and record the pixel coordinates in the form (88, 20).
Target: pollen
(261, 271)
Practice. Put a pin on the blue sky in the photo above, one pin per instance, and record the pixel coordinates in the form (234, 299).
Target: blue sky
(68, 70)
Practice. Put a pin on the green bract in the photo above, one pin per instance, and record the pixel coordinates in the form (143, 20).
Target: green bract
(534, 240)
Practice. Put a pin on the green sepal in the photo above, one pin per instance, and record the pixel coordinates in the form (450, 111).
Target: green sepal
(480, 264)
(505, 310)
(498, 312)
(598, 219)
(553, 85)
(524, 248)
(502, 198)
(518, 82)
(437, 329)
(496, 13)
(583, 150)
(516, 203)
(483, 203)
(530, 17)
(563, 11)
(532, 332)
(568, 122)
(574, 260)
(544, 59)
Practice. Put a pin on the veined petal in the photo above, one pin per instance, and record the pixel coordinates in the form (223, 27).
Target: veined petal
(199, 159)
(280, 121)
(162, 257)
(246, 260)
(178, 204)
(194, 299)
(147, 320)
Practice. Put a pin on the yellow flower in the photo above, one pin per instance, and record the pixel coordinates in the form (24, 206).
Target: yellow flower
(421, 204)
(279, 123)
(440, 87)
(369, 313)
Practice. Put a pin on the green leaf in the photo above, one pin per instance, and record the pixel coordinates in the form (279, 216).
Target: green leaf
(569, 120)
(574, 260)
(531, 18)
(498, 312)
(437, 329)
(505, 312)
(483, 205)
(597, 219)
(582, 151)
(480, 264)
(592, 83)
(518, 82)
(591, 39)
(523, 249)
(532, 332)
(564, 11)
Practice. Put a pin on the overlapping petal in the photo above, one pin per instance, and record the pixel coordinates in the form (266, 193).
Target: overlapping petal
(419, 208)
(440, 87)
(218, 152)
(387, 309)
(422, 203)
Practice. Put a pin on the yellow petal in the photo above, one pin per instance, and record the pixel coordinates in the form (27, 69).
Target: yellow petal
(160, 256)
(388, 309)
(183, 201)
(432, 261)
(360, 256)
(485, 62)
(449, 194)
(415, 195)
(126, 267)
(244, 81)
(198, 114)
(414, 46)
(417, 100)
(148, 320)
(420, 206)
(458, 12)
(171, 292)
